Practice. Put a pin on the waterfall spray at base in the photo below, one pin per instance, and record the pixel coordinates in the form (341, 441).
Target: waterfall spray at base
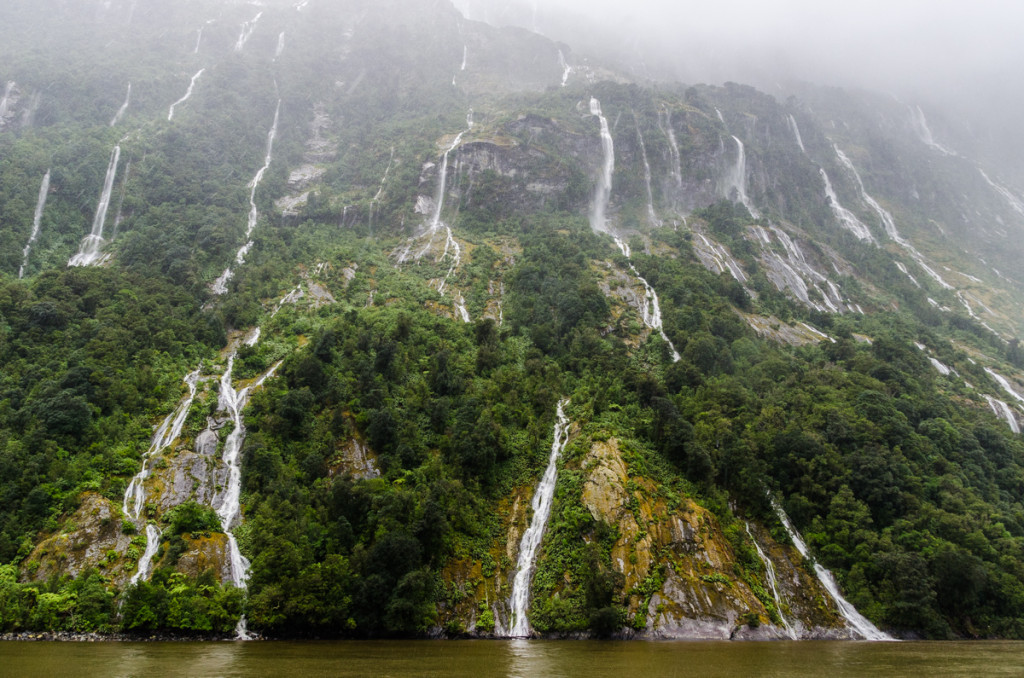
(89, 250)
(773, 583)
(37, 219)
(530, 543)
(857, 622)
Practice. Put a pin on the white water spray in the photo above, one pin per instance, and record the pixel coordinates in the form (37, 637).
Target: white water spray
(89, 250)
(124, 107)
(220, 285)
(566, 68)
(651, 216)
(769, 571)
(146, 560)
(188, 94)
(1005, 384)
(37, 220)
(543, 497)
(1004, 412)
(736, 179)
(860, 624)
(669, 131)
(5, 100)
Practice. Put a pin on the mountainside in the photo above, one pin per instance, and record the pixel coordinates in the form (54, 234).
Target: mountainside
(358, 318)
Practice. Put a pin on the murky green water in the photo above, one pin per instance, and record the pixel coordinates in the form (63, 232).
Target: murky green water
(528, 659)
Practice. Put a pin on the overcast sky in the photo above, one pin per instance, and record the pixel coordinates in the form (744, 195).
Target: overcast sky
(889, 45)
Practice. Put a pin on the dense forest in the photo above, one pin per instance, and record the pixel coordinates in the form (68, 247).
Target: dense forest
(417, 290)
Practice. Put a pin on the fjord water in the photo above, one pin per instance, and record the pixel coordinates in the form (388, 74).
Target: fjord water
(515, 658)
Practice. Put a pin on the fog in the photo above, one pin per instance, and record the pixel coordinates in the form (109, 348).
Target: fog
(936, 50)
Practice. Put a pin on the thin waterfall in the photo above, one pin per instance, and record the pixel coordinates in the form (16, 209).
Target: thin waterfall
(89, 250)
(651, 216)
(220, 286)
(736, 178)
(1005, 384)
(280, 46)
(856, 621)
(796, 134)
(1016, 203)
(451, 245)
(1004, 412)
(135, 496)
(543, 497)
(924, 133)
(773, 583)
(603, 191)
(845, 217)
(669, 131)
(566, 68)
(37, 220)
(247, 30)
(188, 94)
(6, 99)
(124, 107)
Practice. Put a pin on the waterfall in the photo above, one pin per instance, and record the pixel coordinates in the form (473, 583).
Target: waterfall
(435, 220)
(651, 311)
(228, 507)
(199, 40)
(1004, 412)
(89, 250)
(37, 220)
(465, 56)
(135, 496)
(566, 68)
(903, 269)
(721, 258)
(796, 133)
(604, 184)
(669, 131)
(124, 107)
(188, 94)
(844, 216)
(924, 133)
(1005, 384)
(651, 216)
(888, 222)
(530, 543)
(280, 46)
(736, 178)
(857, 622)
(1016, 203)
(220, 286)
(5, 99)
(769, 570)
(247, 30)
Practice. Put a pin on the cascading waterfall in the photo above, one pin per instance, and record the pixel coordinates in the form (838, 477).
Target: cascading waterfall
(603, 191)
(720, 257)
(903, 269)
(228, 506)
(773, 583)
(1004, 412)
(924, 132)
(37, 220)
(380, 191)
(465, 57)
(247, 30)
(651, 311)
(530, 542)
(736, 178)
(844, 216)
(188, 94)
(796, 133)
(280, 46)
(888, 222)
(1016, 203)
(1005, 384)
(6, 99)
(669, 131)
(135, 496)
(651, 216)
(89, 250)
(220, 286)
(857, 622)
(566, 68)
(124, 107)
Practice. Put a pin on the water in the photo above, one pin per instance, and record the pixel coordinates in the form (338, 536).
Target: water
(124, 107)
(247, 30)
(1005, 384)
(517, 658)
(651, 216)
(857, 622)
(1016, 203)
(669, 131)
(6, 99)
(89, 250)
(769, 571)
(603, 191)
(188, 94)
(145, 562)
(37, 220)
(279, 50)
(844, 216)
(920, 124)
(736, 178)
(566, 68)
(796, 133)
(220, 286)
(530, 543)
(1004, 412)
(720, 257)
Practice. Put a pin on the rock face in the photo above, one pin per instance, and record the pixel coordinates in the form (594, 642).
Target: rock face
(95, 540)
